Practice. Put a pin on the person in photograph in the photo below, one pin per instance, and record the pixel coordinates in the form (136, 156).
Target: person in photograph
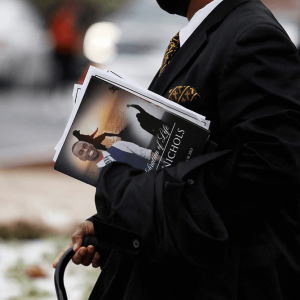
(224, 225)
(121, 151)
(147, 121)
(96, 141)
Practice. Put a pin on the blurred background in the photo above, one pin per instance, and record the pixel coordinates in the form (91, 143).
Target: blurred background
(45, 48)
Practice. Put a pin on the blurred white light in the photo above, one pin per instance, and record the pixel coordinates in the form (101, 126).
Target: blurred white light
(292, 28)
(100, 42)
(94, 128)
(293, 32)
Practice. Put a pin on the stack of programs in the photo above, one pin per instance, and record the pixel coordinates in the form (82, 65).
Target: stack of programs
(115, 119)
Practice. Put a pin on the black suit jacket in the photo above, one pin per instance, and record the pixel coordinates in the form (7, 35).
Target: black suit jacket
(224, 225)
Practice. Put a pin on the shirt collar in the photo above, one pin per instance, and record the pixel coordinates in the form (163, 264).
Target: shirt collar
(196, 20)
(102, 163)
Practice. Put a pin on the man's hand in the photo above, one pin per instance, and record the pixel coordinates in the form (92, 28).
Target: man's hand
(83, 255)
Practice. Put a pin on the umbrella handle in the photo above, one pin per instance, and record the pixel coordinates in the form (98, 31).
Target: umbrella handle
(61, 266)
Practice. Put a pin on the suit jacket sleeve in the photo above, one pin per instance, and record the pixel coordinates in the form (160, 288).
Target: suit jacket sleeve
(184, 211)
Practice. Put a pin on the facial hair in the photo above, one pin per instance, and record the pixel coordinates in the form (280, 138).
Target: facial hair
(98, 154)
(178, 7)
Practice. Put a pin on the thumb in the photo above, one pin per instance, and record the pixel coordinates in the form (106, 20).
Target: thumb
(84, 229)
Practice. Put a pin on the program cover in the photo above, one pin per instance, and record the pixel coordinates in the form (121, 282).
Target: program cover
(112, 124)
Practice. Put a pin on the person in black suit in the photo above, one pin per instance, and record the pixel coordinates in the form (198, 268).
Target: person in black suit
(224, 225)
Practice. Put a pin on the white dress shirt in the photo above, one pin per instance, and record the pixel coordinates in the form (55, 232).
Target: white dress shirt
(196, 20)
(126, 147)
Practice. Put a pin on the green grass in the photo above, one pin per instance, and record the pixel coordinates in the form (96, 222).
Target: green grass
(27, 286)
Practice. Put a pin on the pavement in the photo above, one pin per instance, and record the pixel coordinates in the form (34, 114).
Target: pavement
(44, 197)
(31, 123)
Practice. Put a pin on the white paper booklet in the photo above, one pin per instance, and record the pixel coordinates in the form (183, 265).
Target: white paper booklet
(127, 84)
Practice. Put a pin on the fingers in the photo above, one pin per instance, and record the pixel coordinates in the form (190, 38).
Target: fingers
(83, 255)
(87, 259)
(96, 260)
(56, 260)
(86, 256)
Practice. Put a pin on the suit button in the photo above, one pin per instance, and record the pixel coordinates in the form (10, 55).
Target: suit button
(136, 243)
(191, 181)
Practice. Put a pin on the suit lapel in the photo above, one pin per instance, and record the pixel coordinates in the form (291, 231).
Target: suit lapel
(192, 46)
(178, 62)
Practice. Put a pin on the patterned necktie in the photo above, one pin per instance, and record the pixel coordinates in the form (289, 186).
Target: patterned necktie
(170, 52)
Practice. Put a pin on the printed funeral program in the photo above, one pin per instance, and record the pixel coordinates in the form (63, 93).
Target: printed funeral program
(114, 125)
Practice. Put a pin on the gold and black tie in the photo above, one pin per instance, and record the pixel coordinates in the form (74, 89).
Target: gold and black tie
(170, 52)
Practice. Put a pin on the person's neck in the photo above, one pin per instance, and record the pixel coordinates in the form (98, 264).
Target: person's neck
(100, 157)
(194, 6)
